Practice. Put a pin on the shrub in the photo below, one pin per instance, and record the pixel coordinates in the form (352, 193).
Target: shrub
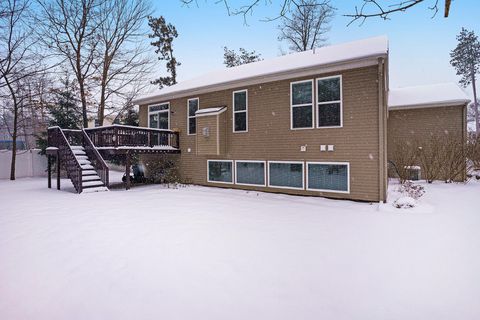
(404, 203)
(404, 157)
(163, 169)
(412, 190)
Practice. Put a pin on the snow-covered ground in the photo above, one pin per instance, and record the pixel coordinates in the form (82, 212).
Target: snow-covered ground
(208, 253)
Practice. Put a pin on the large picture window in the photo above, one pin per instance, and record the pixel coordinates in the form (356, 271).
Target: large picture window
(250, 173)
(240, 111)
(329, 102)
(159, 116)
(192, 105)
(301, 104)
(328, 176)
(283, 174)
(220, 171)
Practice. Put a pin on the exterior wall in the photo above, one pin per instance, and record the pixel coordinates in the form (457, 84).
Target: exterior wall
(207, 145)
(411, 125)
(269, 136)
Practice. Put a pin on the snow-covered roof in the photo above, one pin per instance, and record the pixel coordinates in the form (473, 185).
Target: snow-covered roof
(295, 62)
(441, 94)
(210, 111)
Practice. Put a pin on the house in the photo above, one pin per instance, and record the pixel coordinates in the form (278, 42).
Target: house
(315, 123)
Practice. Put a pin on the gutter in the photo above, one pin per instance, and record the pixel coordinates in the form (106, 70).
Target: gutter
(449, 103)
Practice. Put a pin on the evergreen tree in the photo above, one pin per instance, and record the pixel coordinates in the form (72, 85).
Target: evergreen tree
(465, 58)
(164, 33)
(233, 59)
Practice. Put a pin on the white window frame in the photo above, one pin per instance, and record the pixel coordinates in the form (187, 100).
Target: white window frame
(264, 173)
(291, 162)
(330, 163)
(220, 160)
(329, 102)
(160, 111)
(189, 116)
(302, 105)
(241, 111)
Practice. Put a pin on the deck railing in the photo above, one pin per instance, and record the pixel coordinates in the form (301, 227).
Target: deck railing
(95, 159)
(117, 136)
(56, 138)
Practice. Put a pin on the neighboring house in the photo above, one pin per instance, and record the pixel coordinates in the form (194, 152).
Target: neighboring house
(309, 123)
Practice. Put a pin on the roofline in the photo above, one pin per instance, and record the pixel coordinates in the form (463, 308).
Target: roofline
(449, 103)
(365, 61)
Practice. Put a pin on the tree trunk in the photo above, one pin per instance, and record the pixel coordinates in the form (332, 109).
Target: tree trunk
(84, 103)
(14, 133)
(475, 105)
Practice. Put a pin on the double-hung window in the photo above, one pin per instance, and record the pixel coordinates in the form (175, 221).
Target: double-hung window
(240, 111)
(159, 116)
(328, 176)
(301, 104)
(329, 102)
(192, 106)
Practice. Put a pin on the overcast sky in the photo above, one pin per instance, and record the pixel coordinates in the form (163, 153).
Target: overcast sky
(419, 44)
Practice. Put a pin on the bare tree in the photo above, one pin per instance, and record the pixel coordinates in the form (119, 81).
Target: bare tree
(307, 24)
(70, 28)
(18, 62)
(122, 60)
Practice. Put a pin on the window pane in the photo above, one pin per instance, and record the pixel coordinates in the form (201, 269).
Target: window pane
(154, 121)
(192, 125)
(302, 117)
(159, 107)
(286, 175)
(240, 100)
(328, 90)
(220, 171)
(163, 120)
(329, 115)
(328, 177)
(302, 93)
(192, 107)
(251, 173)
(240, 121)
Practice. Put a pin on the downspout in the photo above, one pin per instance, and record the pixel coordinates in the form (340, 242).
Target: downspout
(382, 163)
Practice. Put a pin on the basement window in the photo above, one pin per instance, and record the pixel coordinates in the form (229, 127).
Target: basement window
(301, 104)
(220, 171)
(328, 176)
(285, 174)
(250, 173)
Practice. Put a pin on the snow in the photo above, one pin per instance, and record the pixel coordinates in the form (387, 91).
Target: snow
(405, 203)
(211, 253)
(434, 94)
(210, 111)
(327, 55)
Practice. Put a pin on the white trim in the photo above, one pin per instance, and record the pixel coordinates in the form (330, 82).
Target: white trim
(291, 162)
(264, 173)
(159, 111)
(452, 103)
(241, 111)
(190, 117)
(330, 163)
(329, 102)
(302, 105)
(219, 160)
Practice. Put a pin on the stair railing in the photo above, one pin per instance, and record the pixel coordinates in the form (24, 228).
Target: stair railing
(96, 159)
(56, 138)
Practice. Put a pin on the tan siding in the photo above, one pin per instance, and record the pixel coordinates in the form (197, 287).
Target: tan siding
(269, 136)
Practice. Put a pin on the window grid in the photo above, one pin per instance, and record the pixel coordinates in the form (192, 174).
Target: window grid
(240, 111)
(292, 106)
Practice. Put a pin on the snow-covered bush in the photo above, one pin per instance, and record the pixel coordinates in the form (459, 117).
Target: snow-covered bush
(412, 190)
(404, 203)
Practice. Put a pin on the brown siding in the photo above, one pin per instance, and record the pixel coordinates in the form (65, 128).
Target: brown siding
(270, 138)
(412, 125)
(207, 145)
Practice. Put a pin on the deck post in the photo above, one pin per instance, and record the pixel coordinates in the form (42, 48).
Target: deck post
(49, 157)
(58, 170)
(127, 171)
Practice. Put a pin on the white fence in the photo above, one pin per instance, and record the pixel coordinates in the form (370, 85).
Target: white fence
(29, 164)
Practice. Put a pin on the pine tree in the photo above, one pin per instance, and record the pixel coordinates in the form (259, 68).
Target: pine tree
(465, 58)
(233, 59)
(164, 33)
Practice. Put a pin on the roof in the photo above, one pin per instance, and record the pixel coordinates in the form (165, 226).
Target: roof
(441, 94)
(295, 62)
(210, 111)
